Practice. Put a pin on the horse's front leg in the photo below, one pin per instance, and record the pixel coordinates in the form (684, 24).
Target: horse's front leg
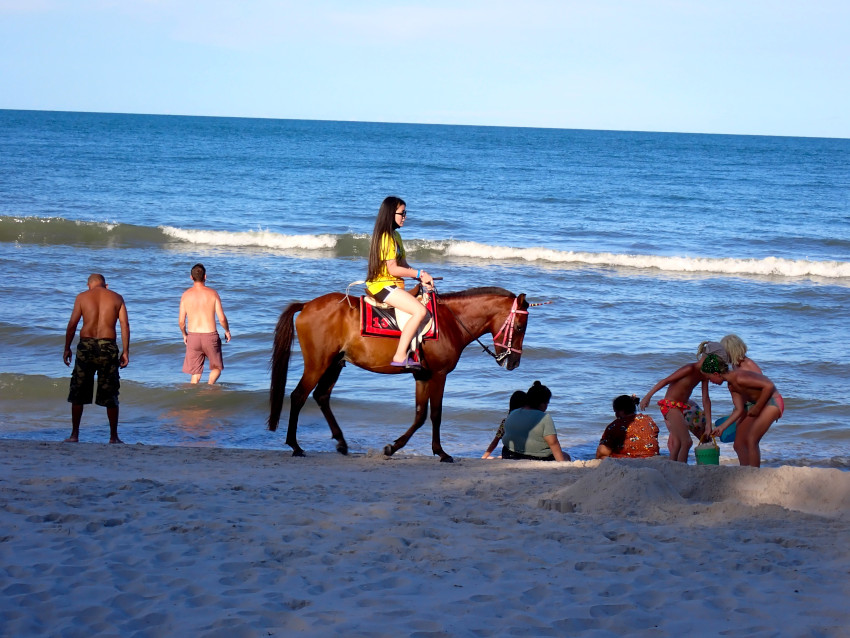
(422, 394)
(438, 386)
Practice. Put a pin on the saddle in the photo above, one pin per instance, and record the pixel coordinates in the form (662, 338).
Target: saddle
(382, 320)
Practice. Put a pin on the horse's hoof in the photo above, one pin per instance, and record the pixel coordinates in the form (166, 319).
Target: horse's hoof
(446, 459)
(388, 450)
(342, 448)
(297, 452)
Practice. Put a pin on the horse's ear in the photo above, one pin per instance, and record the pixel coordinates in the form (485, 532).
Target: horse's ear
(521, 302)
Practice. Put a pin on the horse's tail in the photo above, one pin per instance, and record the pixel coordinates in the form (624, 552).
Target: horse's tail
(283, 333)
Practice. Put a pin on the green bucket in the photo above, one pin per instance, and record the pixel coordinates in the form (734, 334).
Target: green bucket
(707, 454)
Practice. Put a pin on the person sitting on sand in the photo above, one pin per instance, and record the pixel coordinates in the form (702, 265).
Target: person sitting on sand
(679, 412)
(530, 431)
(757, 406)
(630, 435)
(516, 402)
(97, 351)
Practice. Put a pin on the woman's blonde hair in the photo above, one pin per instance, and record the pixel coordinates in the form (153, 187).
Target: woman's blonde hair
(735, 347)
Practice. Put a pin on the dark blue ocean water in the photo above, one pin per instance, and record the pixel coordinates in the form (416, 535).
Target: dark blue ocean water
(646, 243)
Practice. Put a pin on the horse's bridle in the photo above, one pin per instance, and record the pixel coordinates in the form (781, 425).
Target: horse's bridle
(507, 340)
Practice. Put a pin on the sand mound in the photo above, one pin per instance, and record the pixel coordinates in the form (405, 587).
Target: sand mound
(620, 490)
(658, 490)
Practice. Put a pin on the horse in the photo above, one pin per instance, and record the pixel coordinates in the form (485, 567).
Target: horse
(328, 332)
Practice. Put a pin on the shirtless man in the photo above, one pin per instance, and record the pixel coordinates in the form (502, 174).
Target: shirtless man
(202, 305)
(97, 351)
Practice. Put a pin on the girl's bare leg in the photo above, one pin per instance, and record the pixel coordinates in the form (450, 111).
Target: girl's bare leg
(679, 439)
(406, 302)
(750, 432)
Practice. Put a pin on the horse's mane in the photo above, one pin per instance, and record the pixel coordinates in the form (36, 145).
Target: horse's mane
(477, 292)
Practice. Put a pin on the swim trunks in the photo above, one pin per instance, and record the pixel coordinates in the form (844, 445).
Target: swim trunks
(100, 356)
(199, 347)
(694, 416)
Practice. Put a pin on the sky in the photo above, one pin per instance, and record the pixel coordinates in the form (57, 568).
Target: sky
(761, 67)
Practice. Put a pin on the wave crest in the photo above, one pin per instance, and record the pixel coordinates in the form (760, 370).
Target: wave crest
(253, 238)
(56, 230)
(775, 266)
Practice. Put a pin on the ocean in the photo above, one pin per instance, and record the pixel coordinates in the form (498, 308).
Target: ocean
(645, 243)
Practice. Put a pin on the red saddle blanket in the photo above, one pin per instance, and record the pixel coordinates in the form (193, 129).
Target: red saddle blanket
(381, 322)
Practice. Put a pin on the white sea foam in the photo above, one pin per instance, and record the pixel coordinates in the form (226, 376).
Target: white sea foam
(107, 226)
(253, 238)
(766, 266)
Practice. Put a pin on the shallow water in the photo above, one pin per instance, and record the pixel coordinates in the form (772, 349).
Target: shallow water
(645, 243)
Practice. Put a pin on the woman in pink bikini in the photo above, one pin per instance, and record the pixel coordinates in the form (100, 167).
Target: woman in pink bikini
(757, 406)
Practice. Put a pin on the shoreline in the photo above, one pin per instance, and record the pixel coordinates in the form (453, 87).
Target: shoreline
(155, 540)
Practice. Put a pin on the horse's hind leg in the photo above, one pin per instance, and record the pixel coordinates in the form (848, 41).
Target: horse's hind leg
(418, 420)
(316, 369)
(296, 402)
(322, 395)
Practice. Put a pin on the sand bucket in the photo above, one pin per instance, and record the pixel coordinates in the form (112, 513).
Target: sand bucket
(728, 434)
(708, 453)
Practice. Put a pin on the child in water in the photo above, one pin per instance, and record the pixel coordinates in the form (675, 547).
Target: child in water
(517, 401)
(681, 415)
(757, 406)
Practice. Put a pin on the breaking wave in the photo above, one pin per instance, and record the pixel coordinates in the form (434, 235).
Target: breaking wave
(57, 230)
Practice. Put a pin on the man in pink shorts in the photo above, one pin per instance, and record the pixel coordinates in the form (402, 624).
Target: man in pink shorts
(200, 306)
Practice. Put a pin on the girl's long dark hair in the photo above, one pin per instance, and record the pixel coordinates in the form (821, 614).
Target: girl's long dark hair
(384, 225)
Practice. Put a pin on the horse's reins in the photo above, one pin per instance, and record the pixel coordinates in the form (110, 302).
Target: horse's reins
(507, 341)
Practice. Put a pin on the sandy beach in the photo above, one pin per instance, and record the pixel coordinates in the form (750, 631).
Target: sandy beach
(160, 541)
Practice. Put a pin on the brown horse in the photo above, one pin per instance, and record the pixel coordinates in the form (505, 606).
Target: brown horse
(329, 335)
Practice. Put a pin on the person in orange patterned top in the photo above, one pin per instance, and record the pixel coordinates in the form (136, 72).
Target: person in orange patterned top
(630, 435)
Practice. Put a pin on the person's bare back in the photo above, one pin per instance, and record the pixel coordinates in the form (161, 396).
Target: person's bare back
(100, 308)
(97, 353)
(199, 307)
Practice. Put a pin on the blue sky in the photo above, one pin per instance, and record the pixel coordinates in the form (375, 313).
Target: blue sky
(713, 66)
